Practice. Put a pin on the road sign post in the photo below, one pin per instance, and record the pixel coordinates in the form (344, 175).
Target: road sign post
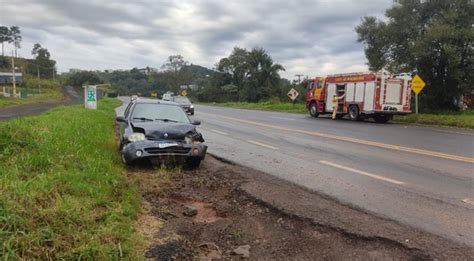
(417, 84)
(293, 94)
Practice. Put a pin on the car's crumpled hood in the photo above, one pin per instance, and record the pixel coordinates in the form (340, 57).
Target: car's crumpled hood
(173, 131)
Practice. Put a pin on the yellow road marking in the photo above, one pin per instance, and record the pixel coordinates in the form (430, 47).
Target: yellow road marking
(361, 172)
(262, 144)
(354, 140)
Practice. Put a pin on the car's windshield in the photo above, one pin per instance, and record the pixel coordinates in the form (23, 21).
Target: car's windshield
(180, 99)
(159, 112)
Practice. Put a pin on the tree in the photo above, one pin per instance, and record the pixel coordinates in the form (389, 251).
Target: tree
(253, 72)
(176, 73)
(43, 65)
(174, 63)
(15, 37)
(84, 77)
(432, 38)
(4, 37)
(36, 49)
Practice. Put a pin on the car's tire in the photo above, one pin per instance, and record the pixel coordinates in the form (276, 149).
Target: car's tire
(313, 110)
(193, 163)
(354, 114)
(124, 161)
(378, 118)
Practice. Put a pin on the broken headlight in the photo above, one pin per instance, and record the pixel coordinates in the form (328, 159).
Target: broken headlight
(190, 140)
(136, 137)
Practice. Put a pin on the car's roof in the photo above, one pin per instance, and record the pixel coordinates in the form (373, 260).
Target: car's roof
(145, 100)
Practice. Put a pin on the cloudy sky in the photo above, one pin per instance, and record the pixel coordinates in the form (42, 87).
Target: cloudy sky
(312, 37)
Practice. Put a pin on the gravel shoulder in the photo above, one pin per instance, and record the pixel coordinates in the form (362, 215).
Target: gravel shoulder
(225, 211)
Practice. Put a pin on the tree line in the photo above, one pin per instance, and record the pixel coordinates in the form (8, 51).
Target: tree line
(245, 75)
(433, 38)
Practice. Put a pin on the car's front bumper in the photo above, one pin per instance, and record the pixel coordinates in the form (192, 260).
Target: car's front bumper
(155, 149)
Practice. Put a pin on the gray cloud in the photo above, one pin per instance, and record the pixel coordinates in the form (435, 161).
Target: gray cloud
(313, 37)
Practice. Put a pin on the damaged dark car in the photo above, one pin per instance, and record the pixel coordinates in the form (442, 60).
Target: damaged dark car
(159, 131)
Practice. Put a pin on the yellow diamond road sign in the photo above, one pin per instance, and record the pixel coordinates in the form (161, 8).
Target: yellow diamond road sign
(184, 93)
(417, 84)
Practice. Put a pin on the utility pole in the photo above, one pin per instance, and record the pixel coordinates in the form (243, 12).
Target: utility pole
(14, 77)
(299, 77)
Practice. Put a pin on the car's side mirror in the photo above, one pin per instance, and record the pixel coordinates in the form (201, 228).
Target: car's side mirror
(196, 122)
(120, 119)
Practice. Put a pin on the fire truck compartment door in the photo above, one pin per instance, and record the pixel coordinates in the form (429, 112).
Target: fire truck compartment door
(359, 94)
(350, 92)
(393, 91)
(369, 96)
(331, 92)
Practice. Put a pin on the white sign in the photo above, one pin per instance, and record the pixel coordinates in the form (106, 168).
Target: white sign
(293, 94)
(90, 97)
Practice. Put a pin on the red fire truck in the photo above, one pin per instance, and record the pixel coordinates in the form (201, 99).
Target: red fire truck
(377, 95)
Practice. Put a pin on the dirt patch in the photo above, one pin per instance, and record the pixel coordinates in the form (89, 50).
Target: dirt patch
(231, 222)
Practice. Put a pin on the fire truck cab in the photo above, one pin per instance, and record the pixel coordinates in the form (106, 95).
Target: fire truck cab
(377, 95)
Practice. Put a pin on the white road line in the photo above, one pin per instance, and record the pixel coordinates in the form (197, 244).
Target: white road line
(219, 132)
(282, 118)
(261, 144)
(468, 201)
(361, 172)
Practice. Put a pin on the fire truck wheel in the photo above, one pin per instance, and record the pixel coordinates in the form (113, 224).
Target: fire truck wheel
(313, 110)
(354, 114)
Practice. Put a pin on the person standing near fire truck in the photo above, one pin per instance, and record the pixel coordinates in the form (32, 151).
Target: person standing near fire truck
(335, 104)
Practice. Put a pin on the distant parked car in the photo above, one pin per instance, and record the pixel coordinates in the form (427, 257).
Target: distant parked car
(185, 103)
(167, 96)
(159, 130)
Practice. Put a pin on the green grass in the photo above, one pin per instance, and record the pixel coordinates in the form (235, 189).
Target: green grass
(266, 106)
(453, 119)
(50, 91)
(45, 96)
(63, 191)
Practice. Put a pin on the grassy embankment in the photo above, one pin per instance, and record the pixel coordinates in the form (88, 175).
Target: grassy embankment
(63, 191)
(50, 91)
(453, 119)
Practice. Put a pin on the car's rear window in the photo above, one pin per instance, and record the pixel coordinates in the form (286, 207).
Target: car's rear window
(156, 112)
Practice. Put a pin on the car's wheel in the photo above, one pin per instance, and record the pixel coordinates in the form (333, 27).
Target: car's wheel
(354, 114)
(124, 161)
(381, 118)
(313, 110)
(193, 163)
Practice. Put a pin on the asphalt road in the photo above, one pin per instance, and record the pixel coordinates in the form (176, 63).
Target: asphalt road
(419, 176)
